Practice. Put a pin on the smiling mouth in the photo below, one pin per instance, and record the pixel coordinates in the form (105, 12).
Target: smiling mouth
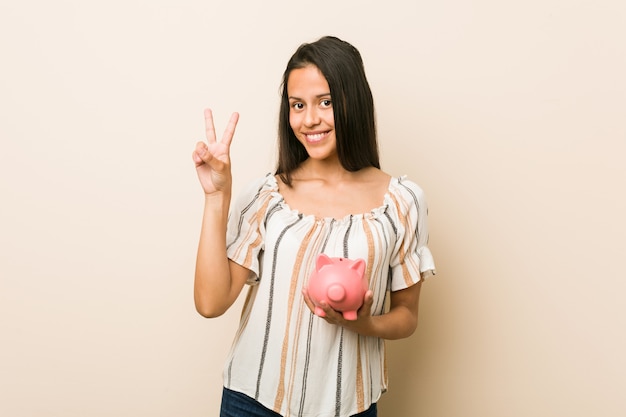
(315, 137)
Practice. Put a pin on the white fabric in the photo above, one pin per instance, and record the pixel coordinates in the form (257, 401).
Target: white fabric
(285, 357)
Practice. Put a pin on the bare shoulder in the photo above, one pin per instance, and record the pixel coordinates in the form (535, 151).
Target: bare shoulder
(373, 177)
(367, 188)
(376, 174)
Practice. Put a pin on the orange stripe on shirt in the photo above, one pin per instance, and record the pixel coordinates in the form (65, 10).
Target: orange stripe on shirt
(304, 246)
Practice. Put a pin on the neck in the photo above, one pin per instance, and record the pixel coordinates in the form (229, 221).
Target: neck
(322, 169)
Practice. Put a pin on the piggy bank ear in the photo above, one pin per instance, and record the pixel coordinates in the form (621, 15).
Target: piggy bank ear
(322, 260)
(359, 267)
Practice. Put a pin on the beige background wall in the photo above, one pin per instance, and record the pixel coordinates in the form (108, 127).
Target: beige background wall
(511, 115)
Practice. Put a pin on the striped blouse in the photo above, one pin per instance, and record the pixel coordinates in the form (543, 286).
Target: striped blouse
(286, 358)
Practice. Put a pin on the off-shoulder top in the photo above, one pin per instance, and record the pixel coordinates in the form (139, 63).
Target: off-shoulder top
(286, 358)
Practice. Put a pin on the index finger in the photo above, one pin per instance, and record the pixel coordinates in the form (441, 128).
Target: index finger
(230, 129)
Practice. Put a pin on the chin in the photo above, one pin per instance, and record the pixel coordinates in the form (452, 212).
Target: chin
(322, 156)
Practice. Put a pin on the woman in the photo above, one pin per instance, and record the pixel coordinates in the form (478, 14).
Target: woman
(328, 195)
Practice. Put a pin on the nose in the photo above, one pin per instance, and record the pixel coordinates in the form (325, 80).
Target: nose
(336, 293)
(312, 117)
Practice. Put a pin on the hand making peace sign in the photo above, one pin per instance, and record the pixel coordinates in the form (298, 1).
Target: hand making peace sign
(212, 159)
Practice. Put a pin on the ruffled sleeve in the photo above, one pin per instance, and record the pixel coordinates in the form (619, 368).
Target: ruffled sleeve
(411, 259)
(246, 231)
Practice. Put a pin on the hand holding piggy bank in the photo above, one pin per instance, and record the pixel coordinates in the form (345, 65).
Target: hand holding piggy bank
(340, 282)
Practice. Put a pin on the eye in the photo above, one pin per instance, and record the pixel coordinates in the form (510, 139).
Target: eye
(326, 103)
(297, 105)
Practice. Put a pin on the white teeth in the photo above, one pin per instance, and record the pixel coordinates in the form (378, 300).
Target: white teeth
(317, 136)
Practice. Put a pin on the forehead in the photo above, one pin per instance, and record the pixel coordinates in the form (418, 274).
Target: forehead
(305, 81)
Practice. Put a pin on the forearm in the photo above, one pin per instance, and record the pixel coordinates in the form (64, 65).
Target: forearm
(213, 284)
(398, 323)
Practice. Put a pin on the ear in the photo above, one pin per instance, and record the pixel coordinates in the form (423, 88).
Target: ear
(359, 267)
(322, 260)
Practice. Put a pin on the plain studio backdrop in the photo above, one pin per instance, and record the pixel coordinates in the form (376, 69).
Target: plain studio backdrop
(510, 115)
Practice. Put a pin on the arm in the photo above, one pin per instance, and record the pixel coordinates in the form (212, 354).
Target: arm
(218, 281)
(399, 322)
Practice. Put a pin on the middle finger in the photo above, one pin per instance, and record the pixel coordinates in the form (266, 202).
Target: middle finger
(209, 126)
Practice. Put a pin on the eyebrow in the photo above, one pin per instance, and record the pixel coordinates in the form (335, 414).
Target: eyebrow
(317, 96)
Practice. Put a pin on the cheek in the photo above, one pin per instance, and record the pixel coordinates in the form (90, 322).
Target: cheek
(294, 120)
(329, 118)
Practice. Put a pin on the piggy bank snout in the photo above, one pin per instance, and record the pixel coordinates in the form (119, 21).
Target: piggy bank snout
(336, 292)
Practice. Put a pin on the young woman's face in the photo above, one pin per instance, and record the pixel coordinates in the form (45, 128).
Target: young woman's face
(311, 112)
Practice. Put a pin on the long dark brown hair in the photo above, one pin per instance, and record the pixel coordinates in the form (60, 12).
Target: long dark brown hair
(353, 107)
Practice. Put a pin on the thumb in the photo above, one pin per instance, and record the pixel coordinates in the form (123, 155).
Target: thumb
(368, 301)
(199, 153)
(202, 155)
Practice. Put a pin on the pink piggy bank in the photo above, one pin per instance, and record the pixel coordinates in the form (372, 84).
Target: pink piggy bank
(340, 282)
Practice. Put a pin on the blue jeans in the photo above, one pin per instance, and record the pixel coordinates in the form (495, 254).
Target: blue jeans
(236, 404)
